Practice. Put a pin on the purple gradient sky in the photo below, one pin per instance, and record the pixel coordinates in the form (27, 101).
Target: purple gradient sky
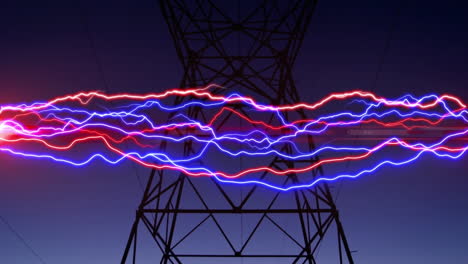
(416, 214)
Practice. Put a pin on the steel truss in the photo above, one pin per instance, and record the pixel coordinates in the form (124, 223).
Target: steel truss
(253, 54)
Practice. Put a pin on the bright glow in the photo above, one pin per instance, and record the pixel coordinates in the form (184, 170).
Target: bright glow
(5, 131)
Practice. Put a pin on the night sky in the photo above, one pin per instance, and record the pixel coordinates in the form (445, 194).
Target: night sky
(416, 214)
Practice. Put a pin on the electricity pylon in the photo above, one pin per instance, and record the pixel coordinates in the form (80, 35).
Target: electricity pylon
(249, 47)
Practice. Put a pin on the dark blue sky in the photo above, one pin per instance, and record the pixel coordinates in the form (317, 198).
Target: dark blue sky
(415, 214)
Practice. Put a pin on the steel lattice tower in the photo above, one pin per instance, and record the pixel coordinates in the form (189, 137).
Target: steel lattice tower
(253, 54)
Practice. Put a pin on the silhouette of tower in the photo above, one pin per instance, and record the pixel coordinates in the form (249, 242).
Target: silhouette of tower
(249, 47)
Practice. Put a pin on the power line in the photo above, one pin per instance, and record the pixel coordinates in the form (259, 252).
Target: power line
(394, 22)
(23, 241)
(100, 69)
